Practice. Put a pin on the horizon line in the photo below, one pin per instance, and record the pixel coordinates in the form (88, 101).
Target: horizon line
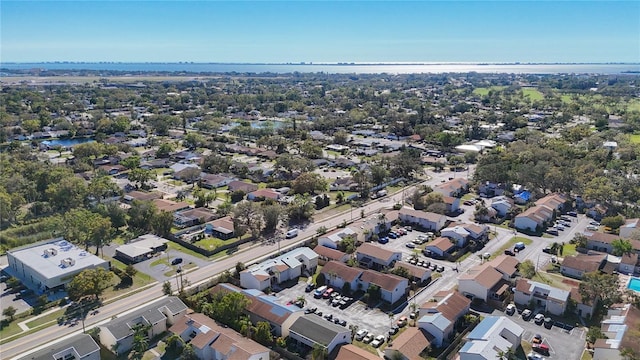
(311, 63)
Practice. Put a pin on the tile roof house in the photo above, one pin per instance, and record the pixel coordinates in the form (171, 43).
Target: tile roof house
(441, 246)
(212, 341)
(272, 272)
(352, 352)
(576, 266)
(621, 329)
(552, 299)
(455, 187)
(213, 181)
(483, 282)
(79, 347)
(262, 194)
(375, 257)
(417, 273)
(191, 217)
(326, 254)
(408, 345)
(493, 335)
(142, 196)
(426, 220)
(392, 287)
(337, 274)
(506, 265)
(264, 307)
(538, 216)
(312, 330)
(439, 317)
(170, 206)
(117, 334)
(603, 242)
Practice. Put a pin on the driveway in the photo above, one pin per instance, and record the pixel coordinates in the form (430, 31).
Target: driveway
(563, 344)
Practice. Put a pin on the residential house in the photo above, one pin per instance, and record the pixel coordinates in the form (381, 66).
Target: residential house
(494, 335)
(576, 266)
(312, 330)
(375, 257)
(439, 317)
(117, 334)
(603, 242)
(584, 307)
(427, 220)
(483, 282)
(630, 226)
(491, 189)
(211, 181)
(455, 187)
(242, 186)
(452, 204)
(141, 248)
(461, 233)
(333, 238)
(212, 341)
(141, 196)
(222, 228)
(552, 299)
(392, 287)
(343, 184)
(180, 166)
(77, 347)
(326, 254)
(352, 352)
(265, 308)
(505, 265)
(502, 205)
(191, 217)
(170, 205)
(408, 345)
(416, 273)
(337, 274)
(537, 217)
(263, 194)
(441, 247)
(272, 272)
(620, 328)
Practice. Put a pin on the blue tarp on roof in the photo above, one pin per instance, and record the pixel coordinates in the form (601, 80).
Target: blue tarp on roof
(525, 195)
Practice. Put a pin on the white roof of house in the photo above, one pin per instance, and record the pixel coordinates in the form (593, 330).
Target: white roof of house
(469, 147)
(554, 292)
(47, 258)
(339, 234)
(289, 259)
(486, 338)
(458, 229)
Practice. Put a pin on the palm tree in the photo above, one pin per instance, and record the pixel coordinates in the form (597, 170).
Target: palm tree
(301, 299)
(319, 352)
(354, 330)
(622, 247)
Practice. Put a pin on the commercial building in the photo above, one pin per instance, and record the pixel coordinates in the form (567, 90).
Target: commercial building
(50, 264)
(141, 248)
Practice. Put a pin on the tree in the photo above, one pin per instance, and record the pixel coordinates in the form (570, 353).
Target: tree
(604, 287)
(102, 187)
(379, 174)
(248, 214)
(594, 333)
(613, 222)
(319, 352)
(141, 215)
(272, 215)
(164, 150)
(90, 282)
(67, 194)
(310, 150)
(9, 312)
(140, 341)
(87, 228)
(347, 245)
(621, 247)
(166, 288)
(224, 209)
(527, 269)
(132, 162)
(309, 183)
(374, 293)
(300, 209)
(580, 241)
(161, 223)
(130, 271)
(140, 176)
(227, 308)
(188, 353)
(263, 333)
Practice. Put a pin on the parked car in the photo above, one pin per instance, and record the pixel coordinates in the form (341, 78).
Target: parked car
(176, 261)
(383, 240)
(547, 250)
(309, 288)
(552, 231)
(361, 334)
(534, 356)
(367, 339)
(410, 245)
(379, 340)
(594, 223)
(327, 293)
(393, 235)
(519, 246)
(509, 252)
(541, 348)
(402, 321)
(526, 314)
(440, 268)
(393, 330)
(538, 319)
(537, 339)
(572, 214)
(510, 310)
(592, 228)
(548, 322)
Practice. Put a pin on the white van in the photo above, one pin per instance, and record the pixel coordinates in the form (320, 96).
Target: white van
(292, 233)
(319, 291)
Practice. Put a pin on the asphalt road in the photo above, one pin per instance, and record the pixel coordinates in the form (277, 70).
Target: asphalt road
(251, 255)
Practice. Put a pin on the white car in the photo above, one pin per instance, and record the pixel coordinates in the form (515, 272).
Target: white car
(538, 319)
(367, 339)
(534, 356)
(361, 334)
(592, 228)
(510, 310)
(379, 340)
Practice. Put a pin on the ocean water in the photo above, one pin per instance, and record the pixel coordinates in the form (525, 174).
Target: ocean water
(426, 68)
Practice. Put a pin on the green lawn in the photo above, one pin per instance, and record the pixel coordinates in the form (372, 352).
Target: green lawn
(551, 279)
(586, 355)
(569, 249)
(633, 105)
(178, 247)
(482, 91)
(10, 330)
(635, 138)
(510, 244)
(52, 317)
(533, 94)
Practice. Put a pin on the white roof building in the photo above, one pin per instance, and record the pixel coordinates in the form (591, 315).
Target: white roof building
(50, 264)
(493, 334)
(282, 268)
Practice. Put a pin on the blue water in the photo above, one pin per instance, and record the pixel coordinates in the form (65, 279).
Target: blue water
(337, 68)
(634, 284)
(67, 142)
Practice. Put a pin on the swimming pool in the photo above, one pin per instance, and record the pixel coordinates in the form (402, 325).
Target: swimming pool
(634, 284)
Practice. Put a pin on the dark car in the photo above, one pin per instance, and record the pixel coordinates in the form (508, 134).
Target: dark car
(547, 250)
(548, 323)
(572, 213)
(309, 288)
(393, 330)
(176, 261)
(509, 252)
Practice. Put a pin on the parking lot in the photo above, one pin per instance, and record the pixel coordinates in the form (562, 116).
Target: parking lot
(373, 320)
(400, 244)
(564, 343)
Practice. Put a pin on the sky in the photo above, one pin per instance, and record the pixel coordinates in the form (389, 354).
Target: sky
(320, 31)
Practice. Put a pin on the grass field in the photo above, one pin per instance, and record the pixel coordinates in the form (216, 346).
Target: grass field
(635, 138)
(633, 105)
(569, 249)
(533, 94)
(482, 91)
(510, 244)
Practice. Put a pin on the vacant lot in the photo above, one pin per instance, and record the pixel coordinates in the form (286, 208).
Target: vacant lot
(533, 94)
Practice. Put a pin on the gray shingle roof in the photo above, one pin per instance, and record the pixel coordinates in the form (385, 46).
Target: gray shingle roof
(316, 328)
(149, 315)
(83, 345)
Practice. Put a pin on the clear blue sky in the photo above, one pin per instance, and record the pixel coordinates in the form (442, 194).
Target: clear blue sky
(320, 31)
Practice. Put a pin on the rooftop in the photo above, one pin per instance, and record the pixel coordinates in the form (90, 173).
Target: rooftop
(316, 329)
